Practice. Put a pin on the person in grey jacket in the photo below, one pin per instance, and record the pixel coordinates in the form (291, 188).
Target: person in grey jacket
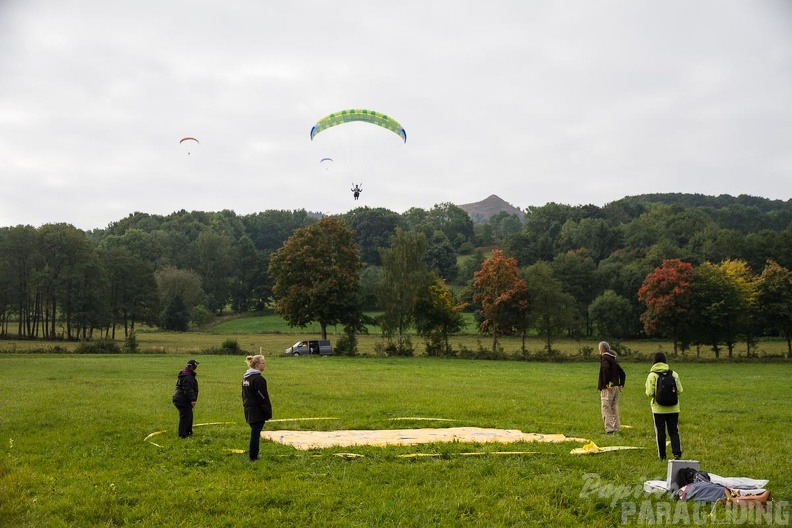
(256, 402)
(185, 397)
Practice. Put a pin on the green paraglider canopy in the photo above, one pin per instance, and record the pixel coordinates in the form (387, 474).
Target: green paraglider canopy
(368, 116)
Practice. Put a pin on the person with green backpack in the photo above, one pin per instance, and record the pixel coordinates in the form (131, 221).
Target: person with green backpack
(664, 387)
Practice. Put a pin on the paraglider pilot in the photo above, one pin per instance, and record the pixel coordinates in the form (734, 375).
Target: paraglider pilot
(356, 190)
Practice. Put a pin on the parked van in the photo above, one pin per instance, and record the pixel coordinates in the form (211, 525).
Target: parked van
(310, 347)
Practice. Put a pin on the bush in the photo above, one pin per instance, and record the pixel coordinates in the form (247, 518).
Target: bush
(130, 343)
(346, 345)
(201, 316)
(100, 346)
(403, 349)
(230, 347)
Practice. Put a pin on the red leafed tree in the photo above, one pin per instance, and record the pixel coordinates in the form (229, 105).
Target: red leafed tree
(666, 293)
(502, 294)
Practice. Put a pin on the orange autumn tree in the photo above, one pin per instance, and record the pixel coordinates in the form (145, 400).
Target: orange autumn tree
(667, 295)
(502, 295)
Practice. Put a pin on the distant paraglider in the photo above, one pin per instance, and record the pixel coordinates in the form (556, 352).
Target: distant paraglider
(356, 190)
(324, 161)
(188, 139)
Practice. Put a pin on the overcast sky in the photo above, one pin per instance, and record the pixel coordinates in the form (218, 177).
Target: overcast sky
(572, 102)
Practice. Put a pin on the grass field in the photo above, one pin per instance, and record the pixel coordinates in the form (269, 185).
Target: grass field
(73, 449)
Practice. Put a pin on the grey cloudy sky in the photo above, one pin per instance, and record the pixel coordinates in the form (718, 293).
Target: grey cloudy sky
(572, 102)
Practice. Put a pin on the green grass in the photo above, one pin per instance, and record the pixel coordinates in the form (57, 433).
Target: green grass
(72, 449)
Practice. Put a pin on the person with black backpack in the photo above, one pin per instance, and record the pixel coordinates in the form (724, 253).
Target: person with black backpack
(664, 387)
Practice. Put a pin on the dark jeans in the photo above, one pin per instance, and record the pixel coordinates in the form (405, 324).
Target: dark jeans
(185, 420)
(255, 439)
(670, 421)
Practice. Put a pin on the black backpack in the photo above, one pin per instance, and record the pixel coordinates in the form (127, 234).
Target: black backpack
(666, 389)
(694, 475)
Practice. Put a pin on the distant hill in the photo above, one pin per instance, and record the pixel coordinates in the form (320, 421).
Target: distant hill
(482, 211)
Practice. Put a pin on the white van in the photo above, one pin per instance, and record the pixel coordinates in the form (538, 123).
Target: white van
(310, 347)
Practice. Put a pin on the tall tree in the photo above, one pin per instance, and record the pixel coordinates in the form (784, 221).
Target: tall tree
(215, 258)
(441, 258)
(373, 229)
(66, 253)
(775, 300)
(404, 277)
(502, 295)
(720, 305)
(184, 284)
(538, 238)
(437, 316)
(610, 315)
(576, 271)
(22, 262)
(453, 221)
(270, 229)
(250, 284)
(132, 289)
(666, 292)
(747, 300)
(553, 310)
(316, 276)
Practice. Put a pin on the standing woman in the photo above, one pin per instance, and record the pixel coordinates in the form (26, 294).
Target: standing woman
(611, 381)
(256, 402)
(185, 396)
(665, 416)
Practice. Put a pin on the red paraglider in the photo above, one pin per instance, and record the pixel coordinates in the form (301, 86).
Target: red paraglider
(188, 139)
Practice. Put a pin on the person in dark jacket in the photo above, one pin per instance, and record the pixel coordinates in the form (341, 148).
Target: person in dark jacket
(611, 381)
(185, 396)
(256, 402)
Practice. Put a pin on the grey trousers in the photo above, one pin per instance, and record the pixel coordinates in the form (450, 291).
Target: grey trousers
(609, 399)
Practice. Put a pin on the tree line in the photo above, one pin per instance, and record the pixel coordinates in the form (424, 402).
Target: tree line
(587, 263)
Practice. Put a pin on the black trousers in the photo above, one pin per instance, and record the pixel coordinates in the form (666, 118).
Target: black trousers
(671, 422)
(185, 421)
(255, 439)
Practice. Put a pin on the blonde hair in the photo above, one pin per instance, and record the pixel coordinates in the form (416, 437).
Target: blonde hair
(254, 360)
(605, 347)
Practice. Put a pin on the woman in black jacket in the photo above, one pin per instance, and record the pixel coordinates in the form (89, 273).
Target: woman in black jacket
(185, 396)
(256, 402)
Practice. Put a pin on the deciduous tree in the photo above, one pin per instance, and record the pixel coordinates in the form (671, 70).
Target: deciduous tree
(316, 276)
(404, 277)
(502, 295)
(720, 303)
(666, 292)
(610, 315)
(553, 310)
(437, 316)
(775, 300)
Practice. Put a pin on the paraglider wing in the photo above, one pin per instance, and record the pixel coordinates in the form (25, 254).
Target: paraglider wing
(188, 139)
(326, 162)
(368, 116)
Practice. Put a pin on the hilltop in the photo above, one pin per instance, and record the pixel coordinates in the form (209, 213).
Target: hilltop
(482, 211)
